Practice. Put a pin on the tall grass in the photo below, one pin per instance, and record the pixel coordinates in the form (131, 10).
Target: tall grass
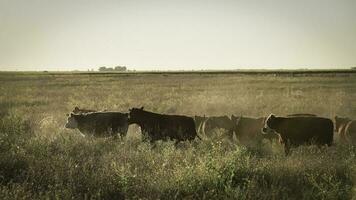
(39, 159)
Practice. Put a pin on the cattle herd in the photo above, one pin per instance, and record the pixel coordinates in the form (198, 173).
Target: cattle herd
(291, 130)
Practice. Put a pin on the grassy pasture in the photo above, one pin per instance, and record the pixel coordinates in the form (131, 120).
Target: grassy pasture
(40, 159)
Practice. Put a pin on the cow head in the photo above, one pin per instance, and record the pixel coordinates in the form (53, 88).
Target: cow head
(269, 125)
(135, 115)
(235, 118)
(76, 109)
(72, 122)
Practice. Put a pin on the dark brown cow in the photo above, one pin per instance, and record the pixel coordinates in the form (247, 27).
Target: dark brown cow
(248, 129)
(99, 124)
(295, 131)
(340, 127)
(162, 127)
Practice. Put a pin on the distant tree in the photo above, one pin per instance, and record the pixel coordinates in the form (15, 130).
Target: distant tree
(120, 68)
(353, 68)
(105, 69)
(102, 69)
(109, 69)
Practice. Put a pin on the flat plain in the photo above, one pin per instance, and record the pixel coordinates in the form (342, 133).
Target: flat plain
(40, 159)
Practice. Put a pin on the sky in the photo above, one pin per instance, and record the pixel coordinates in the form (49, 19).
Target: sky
(177, 34)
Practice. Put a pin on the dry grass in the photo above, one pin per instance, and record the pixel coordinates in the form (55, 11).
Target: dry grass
(41, 159)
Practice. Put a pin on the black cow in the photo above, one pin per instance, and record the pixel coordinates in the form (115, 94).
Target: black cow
(295, 131)
(99, 124)
(161, 127)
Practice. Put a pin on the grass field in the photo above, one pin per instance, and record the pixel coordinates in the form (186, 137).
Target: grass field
(40, 159)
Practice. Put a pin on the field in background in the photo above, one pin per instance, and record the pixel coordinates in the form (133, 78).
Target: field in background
(39, 158)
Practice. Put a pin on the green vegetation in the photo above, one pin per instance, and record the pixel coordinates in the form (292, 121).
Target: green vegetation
(40, 159)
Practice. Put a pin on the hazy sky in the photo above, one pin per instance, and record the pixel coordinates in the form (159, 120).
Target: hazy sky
(177, 34)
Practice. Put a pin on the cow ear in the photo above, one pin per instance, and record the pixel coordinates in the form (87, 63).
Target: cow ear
(71, 114)
(141, 108)
(272, 116)
(67, 115)
(76, 108)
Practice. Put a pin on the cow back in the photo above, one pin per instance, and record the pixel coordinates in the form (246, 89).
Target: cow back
(159, 126)
(301, 130)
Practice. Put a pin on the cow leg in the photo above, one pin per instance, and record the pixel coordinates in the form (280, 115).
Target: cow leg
(270, 139)
(114, 132)
(231, 135)
(153, 144)
(286, 149)
(176, 143)
(123, 131)
(119, 133)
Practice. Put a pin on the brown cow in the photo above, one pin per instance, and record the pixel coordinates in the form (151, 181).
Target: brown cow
(99, 124)
(248, 129)
(221, 122)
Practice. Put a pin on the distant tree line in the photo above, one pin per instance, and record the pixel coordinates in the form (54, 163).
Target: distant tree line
(110, 69)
